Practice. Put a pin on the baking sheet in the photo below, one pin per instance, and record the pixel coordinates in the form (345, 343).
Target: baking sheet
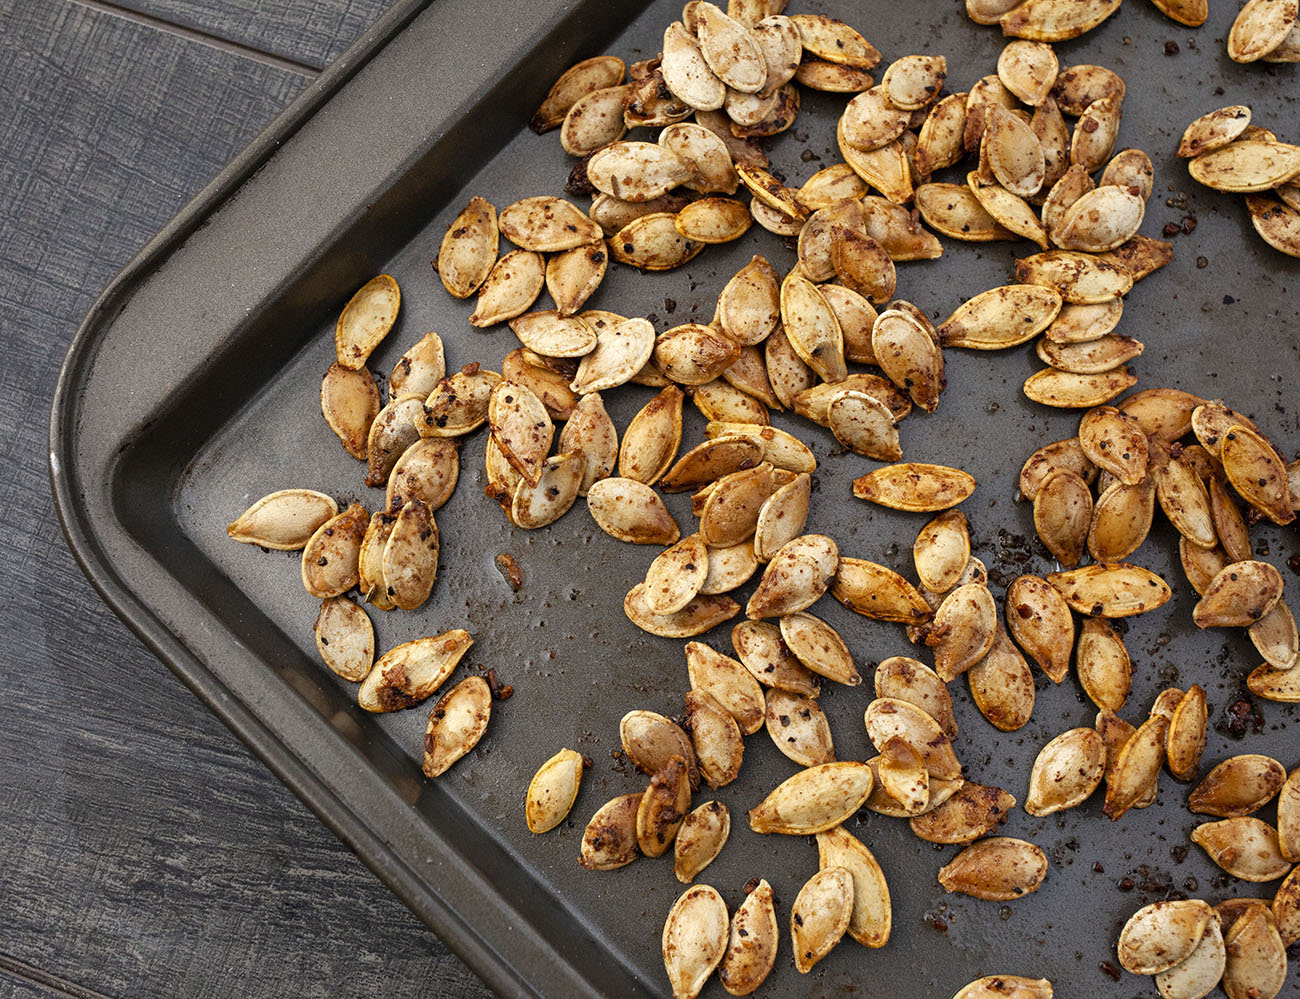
(243, 418)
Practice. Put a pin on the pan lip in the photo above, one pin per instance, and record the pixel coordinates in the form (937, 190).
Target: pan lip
(509, 953)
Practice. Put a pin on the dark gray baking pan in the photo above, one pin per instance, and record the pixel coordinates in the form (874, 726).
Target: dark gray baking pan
(192, 388)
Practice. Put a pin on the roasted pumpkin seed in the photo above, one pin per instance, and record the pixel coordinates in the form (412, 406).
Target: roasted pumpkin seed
(997, 869)
(1245, 847)
(877, 592)
(694, 939)
(552, 791)
(631, 511)
(888, 718)
(904, 679)
(1162, 935)
(795, 578)
(1258, 473)
(872, 916)
(1001, 317)
(609, 841)
(813, 800)
(1240, 595)
(1256, 961)
(456, 724)
(330, 556)
(820, 915)
(700, 839)
(1063, 513)
(1136, 767)
(1002, 685)
(764, 653)
(392, 432)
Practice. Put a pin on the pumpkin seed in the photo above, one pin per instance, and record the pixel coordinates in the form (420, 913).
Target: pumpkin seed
(749, 305)
(778, 39)
(813, 800)
(284, 520)
(1095, 133)
(1288, 834)
(1063, 514)
(782, 517)
(1246, 165)
(1121, 519)
(900, 234)
(345, 638)
(1066, 455)
(370, 560)
(391, 433)
(1001, 317)
(694, 940)
(909, 356)
(714, 220)
(692, 354)
(1080, 278)
(551, 335)
(1140, 256)
(621, 350)
(615, 214)
(988, 12)
(963, 630)
(862, 264)
(456, 724)
(419, 370)
(915, 486)
(830, 186)
(366, 320)
(719, 746)
(1073, 183)
(711, 461)
(888, 717)
(1288, 50)
(1014, 153)
(1258, 473)
(675, 576)
(590, 432)
(941, 551)
(1277, 224)
(469, 248)
(877, 592)
(988, 92)
(651, 440)
(410, 558)
(812, 328)
(589, 75)
(458, 404)
(1256, 961)
(887, 169)
(1079, 86)
(1002, 685)
(1115, 732)
(1227, 524)
(1161, 412)
(1197, 974)
(652, 243)
(751, 952)
(904, 679)
(686, 72)
(329, 558)
(1006, 985)
(649, 101)
(818, 74)
(954, 211)
(1241, 594)
(651, 741)
(1212, 420)
(521, 428)
(997, 869)
(864, 425)
(834, 41)
(731, 511)
(814, 403)
(729, 568)
(819, 647)
(1053, 21)
(609, 841)
(914, 81)
(1162, 935)
(1010, 210)
(1275, 638)
(820, 915)
(1260, 27)
(975, 810)
(1103, 664)
(731, 50)
(510, 288)
(1066, 772)
(552, 791)
(1028, 70)
(700, 615)
(1136, 767)
(594, 121)
(940, 142)
(729, 683)
(1040, 622)
(1245, 847)
(1131, 170)
(799, 728)
(782, 449)
(1100, 220)
(748, 373)
(1238, 786)
(870, 120)
(663, 807)
(871, 918)
(1114, 441)
(795, 578)
(1114, 589)
(547, 224)
(1092, 357)
(1286, 909)
(631, 511)
(764, 653)
(700, 839)
(349, 401)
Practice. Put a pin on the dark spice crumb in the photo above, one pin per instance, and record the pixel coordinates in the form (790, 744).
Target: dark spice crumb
(1171, 48)
(501, 691)
(1110, 970)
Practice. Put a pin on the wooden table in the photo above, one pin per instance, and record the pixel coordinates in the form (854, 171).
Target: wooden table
(145, 851)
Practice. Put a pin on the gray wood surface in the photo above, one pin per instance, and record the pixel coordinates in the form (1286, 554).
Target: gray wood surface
(145, 851)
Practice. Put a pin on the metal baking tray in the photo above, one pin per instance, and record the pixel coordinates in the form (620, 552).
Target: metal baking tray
(192, 388)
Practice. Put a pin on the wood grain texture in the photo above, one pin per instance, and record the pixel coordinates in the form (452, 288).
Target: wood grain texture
(313, 32)
(146, 852)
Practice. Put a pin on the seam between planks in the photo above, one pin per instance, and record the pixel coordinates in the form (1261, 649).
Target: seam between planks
(44, 979)
(201, 37)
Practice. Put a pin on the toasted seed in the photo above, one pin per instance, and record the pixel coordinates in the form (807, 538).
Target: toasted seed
(1079, 86)
(652, 243)
(782, 449)
(749, 305)
(419, 370)
(1165, 703)
(651, 440)
(408, 673)
(813, 800)
(1197, 974)
(765, 654)
(686, 72)
(940, 142)
(1073, 183)
(692, 354)
(1130, 169)
(729, 568)
(782, 517)
(1247, 165)
(1013, 986)
(1161, 935)
(631, 511)
(551, 335)
(410, 558)
(1238, 786)
(594, 121)
(887, 169)
(577, 81)
(904, 679)
(712, 460)
(975, 810)
(862, 264)
(748, 374)
(370, 560)
(1288, 50)
(349, 401)
(1063, 514)
(1092, 357)
(751, 952)
(877, 592)
(1136, 767)
(989, 12)
(1066, 455)
(700, 615)
(731, 50)
(820, 915)
(663, 807)
(366, 320)
(391, 433)
(988, 92)
(1114, 589)
(1258, 473)
(1028, 70)
(818, 74)
(721, 401)
(1163, 413)
(1275, 637)
(714, 220)
(590, 431)
(779, 41)
(1260, 27)
(813, 403)
(1009, 210)
(1001, 317)
(552, 791)
(284, 520)
(609, 841)
(1188, 506)
(1277, 224)
(914, 81)
(795, 578)
(637, 171)
(1286, 908)
(834, 41)
(719, 746)
(729, 683)
(909, 354)
(1014, 153)
(902, 776)
(510, 289)
(870, 120)
(1212, 420)
(1100, 220)
(651, 741)
(456, 724)
(888, 717)
(1226, 523)
(1121, 519)
(620, 351)
(1080, 278)
(1103, 664)
(1140, 256)
(329, 558)
(1115, 732)
(812, 328)
(1288, 834)
(521, 428)
(954, 211)
(915, 486)
(1241, 594)
(675, 576)
(998, 869)
(1040, 621)
(1053, 21)
(900, 234)
(1095, 133)
(1245, 847)
(547, 224)
(799, 728)
(777, 222)
(469, 248)
(1115, 442)
(700, 839)
(941, 551)
(871, 918)
(883, 802)
(1066, 772)
(557, 488)
(963, 630)
(1256, 962)
(864, 425)
(830, 186)
(1002, 685)
(614, 214)
(345, 638)
(694, 940)
(819, 647)
(458, 404)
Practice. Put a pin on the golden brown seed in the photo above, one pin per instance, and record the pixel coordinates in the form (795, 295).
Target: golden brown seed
(887, 718)
(393, 431)
(1002, 685)
(651, 440)
(345, 638)
(751, 952)
(761, 649)
(1063, 514)
(813, 800)
(975, 810)
(510, 288)
(797, 576)
(875, 591)
(456, 724)
(1245, 847)
(1256, 964)
(963, 630)
(609, 841)
(820, 915)
(694, 940)
(1067, 390)
(819, 647)
(1066, 772)
(1161, 935)
(1238, 786)
(631, 511)
(1104, 668)
(700, 615)
(330, 556)
(1258, 473)
(941, 551)
(1041, 623)
(700, 839)
(1136, 768)
(1241, 594)
(1275, 637)
(663, 807)
(799, 728)
(1185, 739)
(552, 791)
(749, 305)
(1121, 519)
(1001, 317)
(1113, 589)
(915, 486)
(954, 211)
(998, 869)
(905, 679)
(719, 746)
(872, 916)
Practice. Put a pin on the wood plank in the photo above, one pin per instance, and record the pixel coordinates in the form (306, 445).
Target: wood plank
(314, 32)
(147, 853)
